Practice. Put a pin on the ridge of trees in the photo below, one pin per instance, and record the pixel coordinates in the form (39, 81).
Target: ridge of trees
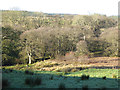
(28, 36)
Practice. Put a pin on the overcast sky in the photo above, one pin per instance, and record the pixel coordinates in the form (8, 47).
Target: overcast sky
(107, 7)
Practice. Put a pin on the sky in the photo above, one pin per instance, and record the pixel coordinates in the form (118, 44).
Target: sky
(82, 7)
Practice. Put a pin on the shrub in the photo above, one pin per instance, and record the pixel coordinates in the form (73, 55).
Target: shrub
(51, 78)
(5, 83)
(3, 68)
(33, 81)
(66, 70)
(97, 47)
(59, 74)
(79, 68)
(65, 77)
(85, 87)
(37, 81)
(65, 73)
(81, 51)
(10, 70)
(49, 65)
(84, 77)
(26, 71)
(104, 77)
(103, 88)
(74, 70)
(28, 81)
(29, 72)
(6, 71)
(114, 76)
(78, 79)
(58, 70)
(87, 76)
(62, 86)
(70, 56)
(83, 59)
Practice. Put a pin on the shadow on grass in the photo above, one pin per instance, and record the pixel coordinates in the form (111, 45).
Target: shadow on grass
(12, 75)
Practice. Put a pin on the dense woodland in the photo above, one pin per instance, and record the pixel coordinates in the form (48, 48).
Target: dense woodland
(31, 36)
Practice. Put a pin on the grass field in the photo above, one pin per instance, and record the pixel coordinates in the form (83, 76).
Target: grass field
(51, 74)
(71, 79)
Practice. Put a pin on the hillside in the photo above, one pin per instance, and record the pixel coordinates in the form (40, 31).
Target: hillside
(56, 34)
(43, 50)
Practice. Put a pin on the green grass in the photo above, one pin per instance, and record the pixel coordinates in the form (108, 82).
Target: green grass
(17, 79)
(50, 72)
(96, 73)
(92, 72)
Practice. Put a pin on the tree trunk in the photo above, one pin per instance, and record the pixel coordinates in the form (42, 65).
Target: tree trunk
(30, 61)
(84, 38)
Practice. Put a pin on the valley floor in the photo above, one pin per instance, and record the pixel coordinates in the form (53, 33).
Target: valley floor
(53, 73)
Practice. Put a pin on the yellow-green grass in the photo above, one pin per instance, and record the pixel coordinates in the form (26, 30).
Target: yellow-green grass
(92, 72)
(96, 73)
(33, 66)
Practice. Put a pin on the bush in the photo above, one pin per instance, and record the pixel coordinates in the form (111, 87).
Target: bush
(49, 65)
(74, 70)
(62, 86)
(7, 70)
(10, 70)
(83, 59)
(28, 81)
(114, 76)
(66, 70)
(78, 80)
(37, 81)
(60, 74)
(29, 72)
(85, 87)
(65, 77)
(58, 70)
(81, 49)
(87, 76)
(51, 77)
(103, 88)
(5, 83)
(70, 56)
(65, 73)
(84, 77)
(3, 68)
(97, 47)
(104, 77)
(33, 81)
(79, 68)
